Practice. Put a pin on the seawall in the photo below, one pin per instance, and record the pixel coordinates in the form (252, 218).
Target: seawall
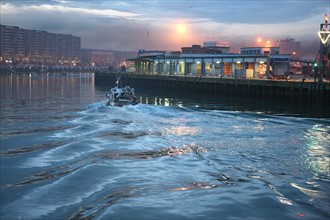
(311, 92)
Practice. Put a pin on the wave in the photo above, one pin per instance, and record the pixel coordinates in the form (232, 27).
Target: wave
(108, 155)
(30, 149)
(27, 131)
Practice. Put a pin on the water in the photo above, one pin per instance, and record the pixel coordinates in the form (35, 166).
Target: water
(65, 155)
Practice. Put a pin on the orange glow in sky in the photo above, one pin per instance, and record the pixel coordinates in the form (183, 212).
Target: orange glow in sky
(181, 28)
(265, 43)
(181, 35)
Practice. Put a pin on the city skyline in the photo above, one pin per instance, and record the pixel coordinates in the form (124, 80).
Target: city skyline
(170, 25)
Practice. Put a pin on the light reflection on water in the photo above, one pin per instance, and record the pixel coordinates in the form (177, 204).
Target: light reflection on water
(65, 155)
(318, 149)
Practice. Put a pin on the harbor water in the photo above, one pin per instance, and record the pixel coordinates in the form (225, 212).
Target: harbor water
(66, 155)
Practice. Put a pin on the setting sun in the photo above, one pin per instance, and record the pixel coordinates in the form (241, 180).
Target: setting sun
(181, 28)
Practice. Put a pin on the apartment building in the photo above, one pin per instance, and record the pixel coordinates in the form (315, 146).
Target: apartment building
(21, 46)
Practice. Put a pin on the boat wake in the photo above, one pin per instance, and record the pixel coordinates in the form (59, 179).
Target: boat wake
(142, 157)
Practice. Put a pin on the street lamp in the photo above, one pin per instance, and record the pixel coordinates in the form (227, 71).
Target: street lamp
(324, 35)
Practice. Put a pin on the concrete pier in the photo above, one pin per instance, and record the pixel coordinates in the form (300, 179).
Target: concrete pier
(313, 92)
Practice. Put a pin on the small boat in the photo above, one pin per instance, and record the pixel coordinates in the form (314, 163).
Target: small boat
(121, 96)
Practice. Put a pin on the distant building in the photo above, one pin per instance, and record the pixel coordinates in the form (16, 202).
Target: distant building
(290, 46)
(260, 50)
(96, 57)
(210, 47)
(217, 46)
(21, 46)
(109, 58)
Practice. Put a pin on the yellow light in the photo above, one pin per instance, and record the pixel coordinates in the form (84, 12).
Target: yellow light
(181, 28)
(259, 40)
(326, 18)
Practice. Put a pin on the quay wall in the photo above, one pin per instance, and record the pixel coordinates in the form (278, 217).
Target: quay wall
(269, 89)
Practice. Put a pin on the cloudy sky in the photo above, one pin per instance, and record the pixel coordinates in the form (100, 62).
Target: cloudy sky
(170, 24)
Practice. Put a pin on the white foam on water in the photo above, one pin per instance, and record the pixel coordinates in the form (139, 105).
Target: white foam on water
(66, 152)
(88, 130)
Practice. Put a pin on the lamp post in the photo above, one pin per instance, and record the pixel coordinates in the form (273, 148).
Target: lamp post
(324, 34)
(321, 58)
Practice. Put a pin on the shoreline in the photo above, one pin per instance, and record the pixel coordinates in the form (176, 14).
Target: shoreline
(39, 69)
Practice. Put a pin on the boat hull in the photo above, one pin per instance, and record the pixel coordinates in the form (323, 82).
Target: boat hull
(121, 96)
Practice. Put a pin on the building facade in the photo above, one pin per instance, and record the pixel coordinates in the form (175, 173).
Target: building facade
(250, 63)
(209, 47)
(106, 58)
(22, 46)
(290, 46)
(97, 57)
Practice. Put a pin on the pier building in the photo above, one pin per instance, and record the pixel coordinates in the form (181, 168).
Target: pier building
(251, 62)
(216, 72)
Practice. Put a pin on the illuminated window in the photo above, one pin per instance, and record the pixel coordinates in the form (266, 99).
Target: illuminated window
(228, 68)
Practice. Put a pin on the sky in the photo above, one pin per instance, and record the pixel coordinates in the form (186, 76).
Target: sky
(171, 24)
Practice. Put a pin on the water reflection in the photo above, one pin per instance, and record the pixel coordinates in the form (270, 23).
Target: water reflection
(15, 84)
(43, 95)
(318, 138)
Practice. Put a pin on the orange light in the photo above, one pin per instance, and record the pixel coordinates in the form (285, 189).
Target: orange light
(180, 33)
(181, 28)
(326, 18)
(259, 40)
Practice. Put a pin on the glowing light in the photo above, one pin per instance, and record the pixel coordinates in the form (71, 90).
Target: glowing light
(180, 33)
(259, 40)
(326, 19)
(324, 36)
(181, 28)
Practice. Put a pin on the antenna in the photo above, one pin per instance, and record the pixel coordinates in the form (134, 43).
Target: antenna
(147, 45)
(118, 81)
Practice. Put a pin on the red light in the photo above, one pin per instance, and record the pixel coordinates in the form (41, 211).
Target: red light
(326, 18)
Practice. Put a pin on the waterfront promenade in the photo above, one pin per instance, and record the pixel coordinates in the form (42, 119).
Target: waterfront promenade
(293, 89)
